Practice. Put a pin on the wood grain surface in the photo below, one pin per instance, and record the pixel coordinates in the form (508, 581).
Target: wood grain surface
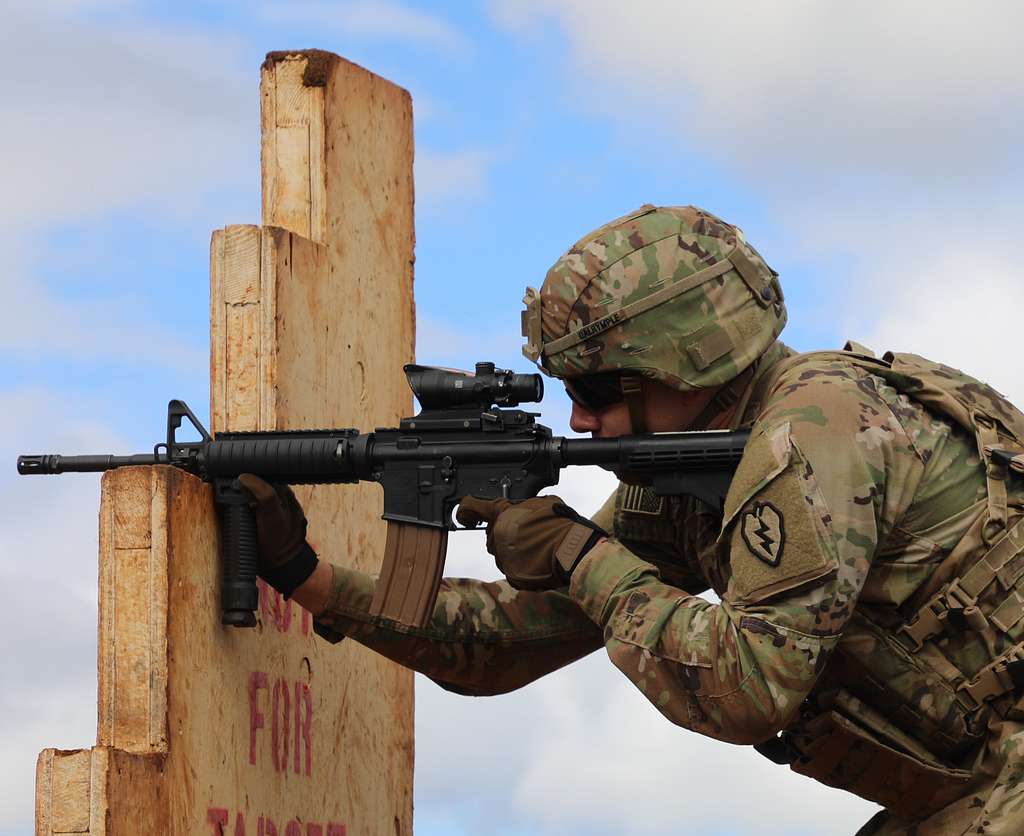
(268, 731)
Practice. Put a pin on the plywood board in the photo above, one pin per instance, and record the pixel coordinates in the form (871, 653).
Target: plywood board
(267, 729)
(271, 731)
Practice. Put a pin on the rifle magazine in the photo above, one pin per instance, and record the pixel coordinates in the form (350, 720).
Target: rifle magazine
(410, 575)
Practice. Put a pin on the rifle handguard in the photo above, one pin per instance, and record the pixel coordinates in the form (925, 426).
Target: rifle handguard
(410, 575)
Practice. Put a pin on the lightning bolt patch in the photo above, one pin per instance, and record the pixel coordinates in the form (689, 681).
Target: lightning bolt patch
(763, 532)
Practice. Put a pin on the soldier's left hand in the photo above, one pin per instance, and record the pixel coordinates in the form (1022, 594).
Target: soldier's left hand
(536, 542)
(285, 559)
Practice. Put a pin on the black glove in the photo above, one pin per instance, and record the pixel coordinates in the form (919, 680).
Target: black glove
(536, 542)
(285, 559)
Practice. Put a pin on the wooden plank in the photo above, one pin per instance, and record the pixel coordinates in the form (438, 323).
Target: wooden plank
(99, 791)
(132, 659)
(207, 729)
(359, 149)
(65, 776)
(294, 145)
(238, 310)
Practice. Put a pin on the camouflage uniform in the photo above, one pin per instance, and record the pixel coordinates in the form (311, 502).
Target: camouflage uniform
(867, 502)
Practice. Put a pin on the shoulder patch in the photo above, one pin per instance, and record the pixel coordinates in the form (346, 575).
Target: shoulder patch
(764, 532)
(777, 524)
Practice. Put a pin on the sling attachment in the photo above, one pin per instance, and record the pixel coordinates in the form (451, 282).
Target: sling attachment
(1003, 675)
(736, 390)
(957, 604)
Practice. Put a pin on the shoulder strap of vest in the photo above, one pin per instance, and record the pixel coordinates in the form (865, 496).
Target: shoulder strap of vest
(998, 429)
(943, 389)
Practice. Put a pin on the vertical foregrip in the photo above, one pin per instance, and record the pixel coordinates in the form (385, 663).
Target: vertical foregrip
(239, 596)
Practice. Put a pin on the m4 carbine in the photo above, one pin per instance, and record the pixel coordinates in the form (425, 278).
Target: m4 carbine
(467, 440)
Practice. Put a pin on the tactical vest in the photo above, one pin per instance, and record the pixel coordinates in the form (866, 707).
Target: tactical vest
(905, 731)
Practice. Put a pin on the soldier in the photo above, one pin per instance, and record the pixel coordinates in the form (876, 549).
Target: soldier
(869, 557)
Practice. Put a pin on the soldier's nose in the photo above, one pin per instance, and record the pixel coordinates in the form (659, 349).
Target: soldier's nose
(583, 420)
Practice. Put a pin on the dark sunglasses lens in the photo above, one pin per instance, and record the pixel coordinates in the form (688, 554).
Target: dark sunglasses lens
(595, 392)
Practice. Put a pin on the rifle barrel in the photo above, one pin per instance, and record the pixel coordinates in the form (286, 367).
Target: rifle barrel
(53, 463)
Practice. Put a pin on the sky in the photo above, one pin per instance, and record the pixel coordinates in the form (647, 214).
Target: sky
(871, 152)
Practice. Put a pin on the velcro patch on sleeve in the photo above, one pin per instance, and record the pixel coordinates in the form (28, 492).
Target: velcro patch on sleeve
(776, 523)
(764, 532)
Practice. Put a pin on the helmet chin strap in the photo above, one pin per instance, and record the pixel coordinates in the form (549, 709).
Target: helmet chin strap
(727, 397)
(632, 394)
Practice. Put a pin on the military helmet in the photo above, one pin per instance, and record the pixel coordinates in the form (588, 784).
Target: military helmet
(669, 292)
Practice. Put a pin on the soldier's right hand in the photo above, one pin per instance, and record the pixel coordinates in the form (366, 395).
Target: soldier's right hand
(285, 559)
(536, 542)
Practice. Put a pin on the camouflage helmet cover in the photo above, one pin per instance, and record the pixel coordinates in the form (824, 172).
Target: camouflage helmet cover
(670, 292)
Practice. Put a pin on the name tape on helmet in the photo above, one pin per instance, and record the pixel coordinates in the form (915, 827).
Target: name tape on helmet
(638, 307)
(603, 324)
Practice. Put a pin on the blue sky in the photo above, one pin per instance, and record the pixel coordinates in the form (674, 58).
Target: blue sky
(511, 168)
(871, 154)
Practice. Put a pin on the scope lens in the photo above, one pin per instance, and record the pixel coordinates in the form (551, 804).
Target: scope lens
(525, 388)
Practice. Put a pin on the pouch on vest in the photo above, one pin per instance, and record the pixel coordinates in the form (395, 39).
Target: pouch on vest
(853, 748)
(905, 687)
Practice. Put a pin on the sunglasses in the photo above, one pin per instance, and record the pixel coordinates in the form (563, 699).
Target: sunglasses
(595, 392)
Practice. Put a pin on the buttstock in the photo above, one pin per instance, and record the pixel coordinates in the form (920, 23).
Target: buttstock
(410, 575)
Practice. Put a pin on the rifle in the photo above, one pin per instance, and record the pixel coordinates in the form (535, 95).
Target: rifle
(467, 440)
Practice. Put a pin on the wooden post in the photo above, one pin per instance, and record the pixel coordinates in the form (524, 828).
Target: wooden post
(271, 731)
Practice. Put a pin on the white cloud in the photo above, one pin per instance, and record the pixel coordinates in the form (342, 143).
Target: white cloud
(449, 180)
(36, 323)
(606, 761)
(102, 119)
(106, 116)
(911, 85)
(371, 19)
(883, 138)
(438, 344)
(952, 301)
(56, 707)
(48, 566)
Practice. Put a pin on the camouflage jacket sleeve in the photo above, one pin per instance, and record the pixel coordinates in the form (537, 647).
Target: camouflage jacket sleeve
(827, 471)
(483, 637)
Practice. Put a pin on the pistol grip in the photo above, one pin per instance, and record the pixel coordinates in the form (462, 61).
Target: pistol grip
(410, 575)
